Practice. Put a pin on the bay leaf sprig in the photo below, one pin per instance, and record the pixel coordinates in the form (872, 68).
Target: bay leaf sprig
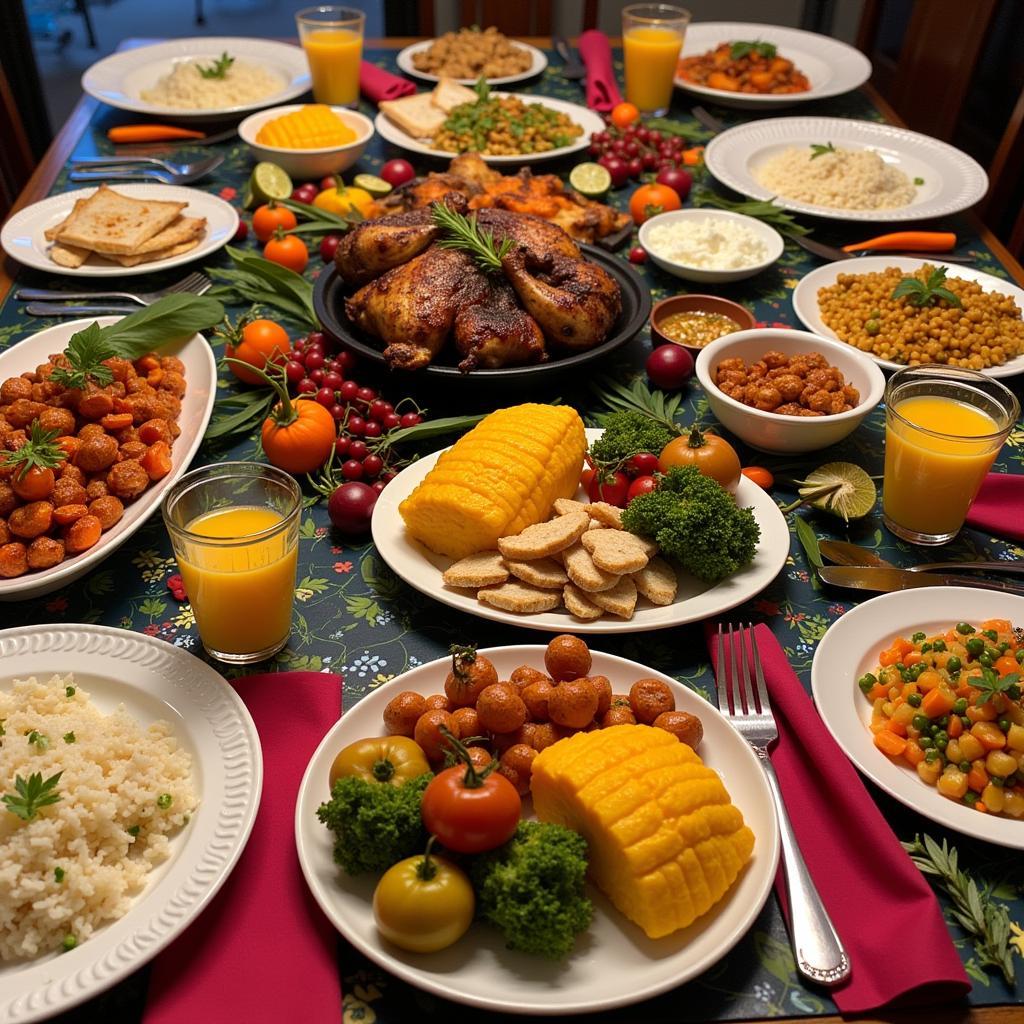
(761, 209)
(254, 279)
(317, 221)
(465, 233)
(986, 921)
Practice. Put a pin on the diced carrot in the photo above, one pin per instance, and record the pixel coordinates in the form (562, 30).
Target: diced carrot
(903, 645)
(937, 702)
(912, 658)
(964, 689)
(157, 460)
(1005, 665)
(913, 752)
(977, 777)
(116, 421)
(879, 692)
(889, 743)
(955, 727)
(985, 713)
(979, 805)
(999, 625)
(928, 680)
(146, 363)
(896, 727)
(888, 657)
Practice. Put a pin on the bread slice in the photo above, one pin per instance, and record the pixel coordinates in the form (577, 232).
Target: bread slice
(151, 257)
(108, 222)
(68, 255)
(184, 229)
(51, 233)
(449, 94)
(416, 115)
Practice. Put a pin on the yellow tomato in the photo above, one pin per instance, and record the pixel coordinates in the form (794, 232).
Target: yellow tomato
(390, 759)
(343, 200)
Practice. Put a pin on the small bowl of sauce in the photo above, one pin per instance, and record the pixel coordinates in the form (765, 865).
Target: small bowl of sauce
(694, 321)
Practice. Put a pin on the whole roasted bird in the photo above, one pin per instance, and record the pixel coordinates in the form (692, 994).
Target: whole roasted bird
(415, 291)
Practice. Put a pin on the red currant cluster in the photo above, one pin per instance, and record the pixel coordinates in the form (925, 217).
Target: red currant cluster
(176, 585)
(627, 152)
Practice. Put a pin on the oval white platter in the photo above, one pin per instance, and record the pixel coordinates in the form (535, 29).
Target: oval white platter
(538, 62)
(805, 296)
(196, 407)
(154, 680)
(478, 970)
(696, 601)
(851, 647)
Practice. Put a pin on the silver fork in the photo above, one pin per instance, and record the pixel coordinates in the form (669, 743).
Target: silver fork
(195, 284)
(819, 952)
(128, 168)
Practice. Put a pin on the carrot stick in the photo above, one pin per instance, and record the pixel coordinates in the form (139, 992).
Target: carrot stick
(151, 133)
(928, 241)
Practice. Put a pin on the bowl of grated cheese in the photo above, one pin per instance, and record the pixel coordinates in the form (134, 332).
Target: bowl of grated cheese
(711, 246)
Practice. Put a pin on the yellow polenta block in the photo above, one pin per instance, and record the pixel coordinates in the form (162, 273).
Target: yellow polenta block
(501, 477)
(314, 126)
(666, 843)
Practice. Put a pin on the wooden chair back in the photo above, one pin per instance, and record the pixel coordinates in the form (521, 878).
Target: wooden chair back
(522, 18)
(16, 159)
(1005, 174)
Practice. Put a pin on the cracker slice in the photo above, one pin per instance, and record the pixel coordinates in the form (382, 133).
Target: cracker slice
(541, 572)
(607, 514)
(615, 551)
(657, 581)
(579, 604)
(543, 539)
(563, 506)
(520, 598)
(620, 600)
(584, 573)
(484, 569)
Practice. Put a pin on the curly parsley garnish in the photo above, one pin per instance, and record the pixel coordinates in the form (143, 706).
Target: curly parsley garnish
(32, 795)
(758, 47)
(85, 352)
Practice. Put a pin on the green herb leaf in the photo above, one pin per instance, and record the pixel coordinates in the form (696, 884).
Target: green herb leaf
(219, 68)
(58, 874)
(69, 737)
(39, 452)
(989, 683)
(38, 740)
(742, 49)
(86, 351)
(462, 232)
(761, 209)
(927, 292)
(819, 150)
(808, 541)
(172, 318)
(259, 280)
(482, 89)
(32, 795)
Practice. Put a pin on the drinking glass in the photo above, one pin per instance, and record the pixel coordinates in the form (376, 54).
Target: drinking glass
(332, 37)
(944, 427)
(652, 36)
(234, 527)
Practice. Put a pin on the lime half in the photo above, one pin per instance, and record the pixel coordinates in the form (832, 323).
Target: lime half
(268, 181)
(592, 180)
(841, 488)
(377, 187)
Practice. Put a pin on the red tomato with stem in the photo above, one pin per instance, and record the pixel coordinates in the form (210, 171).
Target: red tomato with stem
(642, 464)
(287, 251)
(269, 217)
(641, 485)
(612, 488)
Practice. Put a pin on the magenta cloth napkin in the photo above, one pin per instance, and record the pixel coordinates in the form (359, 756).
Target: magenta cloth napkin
(596, 53)
(376, 84)
(873, 893)
(999, 506)
(262, 951)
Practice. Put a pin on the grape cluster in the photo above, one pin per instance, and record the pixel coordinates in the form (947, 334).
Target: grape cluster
(628, 152)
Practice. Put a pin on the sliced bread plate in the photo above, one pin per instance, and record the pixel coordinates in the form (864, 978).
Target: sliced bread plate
(538, 62)
(806, 307)
(24, 236)
(154, 681)
(196, 407)
(695, 601)
(478, 970)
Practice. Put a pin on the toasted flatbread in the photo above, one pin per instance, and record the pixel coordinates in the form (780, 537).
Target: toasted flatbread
(51, 233)
(151, 257)
(108, 222)
(184, 229)
(68, 255)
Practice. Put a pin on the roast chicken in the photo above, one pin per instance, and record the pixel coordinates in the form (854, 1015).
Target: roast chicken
(415, 294)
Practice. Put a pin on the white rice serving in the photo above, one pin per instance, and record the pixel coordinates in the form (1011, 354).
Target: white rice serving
(844, 179)
(125, 788)
(711, 243)
(186, 89)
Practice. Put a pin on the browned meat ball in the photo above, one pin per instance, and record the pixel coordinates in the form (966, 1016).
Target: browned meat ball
(45, 552)
(127, 479)
(97, 453)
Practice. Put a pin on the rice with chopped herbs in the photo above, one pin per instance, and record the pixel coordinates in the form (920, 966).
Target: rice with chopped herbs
(76, 864)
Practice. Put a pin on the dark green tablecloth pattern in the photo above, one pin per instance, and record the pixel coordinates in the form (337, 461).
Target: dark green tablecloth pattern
(353, 616)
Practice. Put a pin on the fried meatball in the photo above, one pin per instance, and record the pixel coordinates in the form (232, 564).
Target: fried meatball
(44, 553)
(98, 452)
(127, 480)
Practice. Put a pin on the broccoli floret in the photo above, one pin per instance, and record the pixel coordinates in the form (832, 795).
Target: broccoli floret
(374, 824)
(532, 889)
(696, 521)
(625, 434)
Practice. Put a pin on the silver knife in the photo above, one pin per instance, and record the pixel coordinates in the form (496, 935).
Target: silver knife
(58, 309)
(884, 579)
(853, 554)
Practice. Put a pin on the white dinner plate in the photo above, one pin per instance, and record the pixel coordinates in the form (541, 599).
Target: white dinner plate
(613, 963)
(851, 647)
(422, 569)
(952, 181)
(805, 296)
(154, 680)
(588, 120)
(538, 62)
(23, 238)
(832, 67)
(196, 407)
(120, 79)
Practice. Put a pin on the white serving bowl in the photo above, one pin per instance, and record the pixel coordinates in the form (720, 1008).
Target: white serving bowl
(768, 235)
(306, 164)
(768, 431)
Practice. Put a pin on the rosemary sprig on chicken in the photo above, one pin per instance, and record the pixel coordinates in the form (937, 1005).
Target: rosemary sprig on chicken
(464, 233)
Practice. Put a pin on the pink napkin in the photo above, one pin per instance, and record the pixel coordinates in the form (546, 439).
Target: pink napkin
(376, 84)
(999, 505)
(596, 53)
(873, 893)
(262, 950)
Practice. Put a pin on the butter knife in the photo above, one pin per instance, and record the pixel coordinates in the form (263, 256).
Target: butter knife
(884, 579)
(853, 554)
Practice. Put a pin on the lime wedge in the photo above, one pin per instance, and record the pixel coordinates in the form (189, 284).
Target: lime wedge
(377, 187)
(591, 180)
(268, 181)
(841, 488)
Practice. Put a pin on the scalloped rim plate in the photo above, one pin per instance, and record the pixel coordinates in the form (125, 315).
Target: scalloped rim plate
(613, 963)
(154, 680)
(537, 57)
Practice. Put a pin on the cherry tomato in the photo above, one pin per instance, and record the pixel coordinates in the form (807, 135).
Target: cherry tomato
(469, 811)
(612, 489)
(305, 193)
(638, 254)
(642, 464)
(397, 172)
(669, 366)
(712, 455)
(268, 218)
(649, 200)
(351, 506)
(260, 342)
(617, 168)
(623, 114)
(586, 477)
(641, 485)
(287, 251)
(759, 475)
(34, 484)
(329, 246)
(241, 232)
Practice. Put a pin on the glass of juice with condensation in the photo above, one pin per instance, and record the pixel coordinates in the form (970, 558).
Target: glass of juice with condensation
(234, 527)
(333, 40)
(944, 427)
(652, 36)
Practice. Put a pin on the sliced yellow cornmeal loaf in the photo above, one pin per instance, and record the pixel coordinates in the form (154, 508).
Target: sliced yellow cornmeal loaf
(503, 476)
(315, 126)
(666, 842)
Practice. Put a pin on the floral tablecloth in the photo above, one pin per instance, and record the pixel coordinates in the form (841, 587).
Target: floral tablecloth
(354, 617)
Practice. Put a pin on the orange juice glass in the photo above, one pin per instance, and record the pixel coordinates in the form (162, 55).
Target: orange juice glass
(333, 40)
(652, 36)
(235, 531)
(944, 427)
